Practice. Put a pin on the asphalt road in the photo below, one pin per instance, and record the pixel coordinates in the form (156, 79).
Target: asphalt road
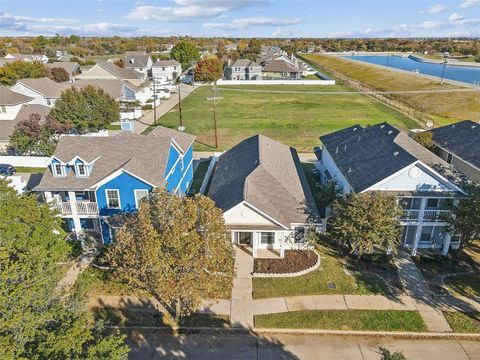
(233, 346)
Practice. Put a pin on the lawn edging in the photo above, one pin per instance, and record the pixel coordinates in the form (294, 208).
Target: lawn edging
(298, 273)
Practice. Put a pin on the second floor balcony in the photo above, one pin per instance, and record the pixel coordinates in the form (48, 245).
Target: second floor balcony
(428, 215)
(82, 207)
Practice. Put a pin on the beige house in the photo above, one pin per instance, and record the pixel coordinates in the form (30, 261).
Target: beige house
(107, 70)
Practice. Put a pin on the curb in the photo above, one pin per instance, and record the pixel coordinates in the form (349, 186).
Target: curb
(266, 331)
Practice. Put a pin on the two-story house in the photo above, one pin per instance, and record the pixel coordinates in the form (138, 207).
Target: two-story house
(243, 69)
(166, 69)
(91, 179)
(138, 61)
(459, 145)
(382, 158)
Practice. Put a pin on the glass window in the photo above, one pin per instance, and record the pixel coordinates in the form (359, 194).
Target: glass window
(299, 235)
(432, 203)
(267, 237)
(139, 195)
(113, 199)
(449, 158)
(81, 170)
(426, 235)
(58, 169)
(3, 109)
(49, 102)
(445, 204)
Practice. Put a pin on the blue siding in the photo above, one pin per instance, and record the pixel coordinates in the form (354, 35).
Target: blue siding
(179, 175)
(105, 230)
(126, 184)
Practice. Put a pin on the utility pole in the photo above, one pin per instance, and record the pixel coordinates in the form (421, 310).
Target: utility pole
(215, 99)
(180, 105)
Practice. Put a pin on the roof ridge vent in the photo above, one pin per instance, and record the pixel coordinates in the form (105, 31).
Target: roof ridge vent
(349, 169)
(345, 147)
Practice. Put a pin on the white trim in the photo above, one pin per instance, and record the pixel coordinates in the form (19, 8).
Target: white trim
(136, 197)
(53, 157)
(175, 144)
(183, 176)
(62, 170)
(265, 215)
(77, 170)
(106, 199)
(114, 175)
(174, 164)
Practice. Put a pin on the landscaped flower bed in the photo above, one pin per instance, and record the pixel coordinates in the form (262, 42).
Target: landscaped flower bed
(294, 261)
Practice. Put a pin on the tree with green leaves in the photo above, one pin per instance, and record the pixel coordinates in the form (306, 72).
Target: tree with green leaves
(464, 220)
(366, 221)
(58, 74)
(88, 109)
(38, 322)
(424, 138)
(185, 52)
(36, 136)
(209, 70)
(388, 355)
(11, 72)
(177, 249)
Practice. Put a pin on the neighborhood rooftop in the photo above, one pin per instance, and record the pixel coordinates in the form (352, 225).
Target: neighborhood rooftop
(136, 60)
(461, 139)
(45, 86)
(7, 126)
(144, 156)
(245, 63)
(267, 175)
(367, 155)
(10, 98)
(122, 73)
(166, 63)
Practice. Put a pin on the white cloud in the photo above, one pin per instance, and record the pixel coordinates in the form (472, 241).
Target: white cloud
(190, 9)
(284, 32)
(455, 17)
(435, 9)
(244, 23)
(468, 3)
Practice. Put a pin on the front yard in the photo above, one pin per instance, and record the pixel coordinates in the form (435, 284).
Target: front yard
(331, 278)
(463, 322)
(363, 320)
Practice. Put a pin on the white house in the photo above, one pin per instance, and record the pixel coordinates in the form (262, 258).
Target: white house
(11, 103)
(382, 158)
(263, 191)
(43, 91)
(27, 57)
(166, 69)
(138, 61)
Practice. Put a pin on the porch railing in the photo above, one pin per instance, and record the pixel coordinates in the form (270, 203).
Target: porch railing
(83, 208)
(411, 215)
(435, 215)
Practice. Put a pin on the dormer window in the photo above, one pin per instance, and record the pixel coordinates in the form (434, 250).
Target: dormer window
(81, 170)
(58, 169)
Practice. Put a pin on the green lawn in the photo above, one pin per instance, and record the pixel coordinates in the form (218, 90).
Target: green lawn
(462, 322)
(466, 285)
(199, 175)
(31, 170)
(363, 320)
(316, 282)
(297, 119)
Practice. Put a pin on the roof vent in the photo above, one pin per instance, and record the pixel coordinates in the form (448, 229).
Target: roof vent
(349, 169)
(474, 126)
(395, 153)
(359, 138)
(345, 147)
(354, 129)
(390, 132)
(336, 150)
(382, 126)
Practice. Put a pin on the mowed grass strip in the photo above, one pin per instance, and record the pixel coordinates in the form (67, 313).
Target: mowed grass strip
(316, 283)
(362, 320)
(444, 108)
(463, 322)
(296, 119)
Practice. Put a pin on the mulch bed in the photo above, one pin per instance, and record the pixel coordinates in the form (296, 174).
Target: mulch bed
(294, 261)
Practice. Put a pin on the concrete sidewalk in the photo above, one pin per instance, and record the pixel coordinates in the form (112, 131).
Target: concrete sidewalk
(241, 305)
(72, 274)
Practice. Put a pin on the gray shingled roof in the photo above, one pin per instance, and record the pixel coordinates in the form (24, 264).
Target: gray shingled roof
(135, 60)
(112, 87)
(245, 63)
(267, 175)
(462, 139)
(184, 140)
(144, 156)
(368, 155)
(46, 86)
(10, 98)
(7, 126)
(171, 62)
(121, 73)
(280, 66)
(69, 66)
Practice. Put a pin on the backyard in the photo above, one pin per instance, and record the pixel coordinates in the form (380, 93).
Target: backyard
(444, 108)
(296, 119)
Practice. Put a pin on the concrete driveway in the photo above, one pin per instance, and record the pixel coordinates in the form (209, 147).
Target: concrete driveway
(236, 346)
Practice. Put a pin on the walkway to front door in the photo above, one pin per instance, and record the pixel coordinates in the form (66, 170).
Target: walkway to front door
(241, 306)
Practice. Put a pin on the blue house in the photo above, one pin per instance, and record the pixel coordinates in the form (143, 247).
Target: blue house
(90, 179)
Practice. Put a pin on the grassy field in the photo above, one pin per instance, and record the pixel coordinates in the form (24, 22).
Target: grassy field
(363, 320)
(464, 323)
(30, 170)
(316, 283)
(444, 108)
(297, 119)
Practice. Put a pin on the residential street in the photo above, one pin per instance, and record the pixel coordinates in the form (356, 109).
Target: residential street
(234, 346)
(165, 106)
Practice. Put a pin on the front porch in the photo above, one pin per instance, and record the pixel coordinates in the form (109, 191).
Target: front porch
(247, 250)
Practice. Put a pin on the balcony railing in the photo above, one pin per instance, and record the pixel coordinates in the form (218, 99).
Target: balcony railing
(83, 208)
(410, 215)
(428, 215)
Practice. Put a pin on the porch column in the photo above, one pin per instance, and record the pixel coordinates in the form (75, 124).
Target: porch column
(77, 227)
(48, 196)
(420, 226)
(254, 244)
(446, 243)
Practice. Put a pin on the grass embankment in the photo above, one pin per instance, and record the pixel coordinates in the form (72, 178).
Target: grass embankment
(363, 320)
(296, 119)
(443, 108)
(465, 285)
(463, 322)
(317, 282)
(30, 170)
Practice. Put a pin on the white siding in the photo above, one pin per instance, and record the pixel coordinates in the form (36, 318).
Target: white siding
(11, 112)
(243, 215)
(37, 97)
(327, 163)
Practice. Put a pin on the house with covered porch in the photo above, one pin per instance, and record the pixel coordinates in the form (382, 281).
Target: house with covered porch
(263, 191)
(382, 158)
(91, 179)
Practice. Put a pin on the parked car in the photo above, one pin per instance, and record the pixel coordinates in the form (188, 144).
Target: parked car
(7, 169)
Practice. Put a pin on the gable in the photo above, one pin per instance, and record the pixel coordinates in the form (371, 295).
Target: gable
(415, 177)
(22, 89)
(242, 214)
(98, 72)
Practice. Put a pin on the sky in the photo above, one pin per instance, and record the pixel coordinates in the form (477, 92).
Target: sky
(242, 18)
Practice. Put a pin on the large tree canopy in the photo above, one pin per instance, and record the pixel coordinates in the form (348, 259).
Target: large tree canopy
(35, 321)
(366, 221)
(11, 72)
(176, 248)
(209, 70)
(86, 110)
(185, 52)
